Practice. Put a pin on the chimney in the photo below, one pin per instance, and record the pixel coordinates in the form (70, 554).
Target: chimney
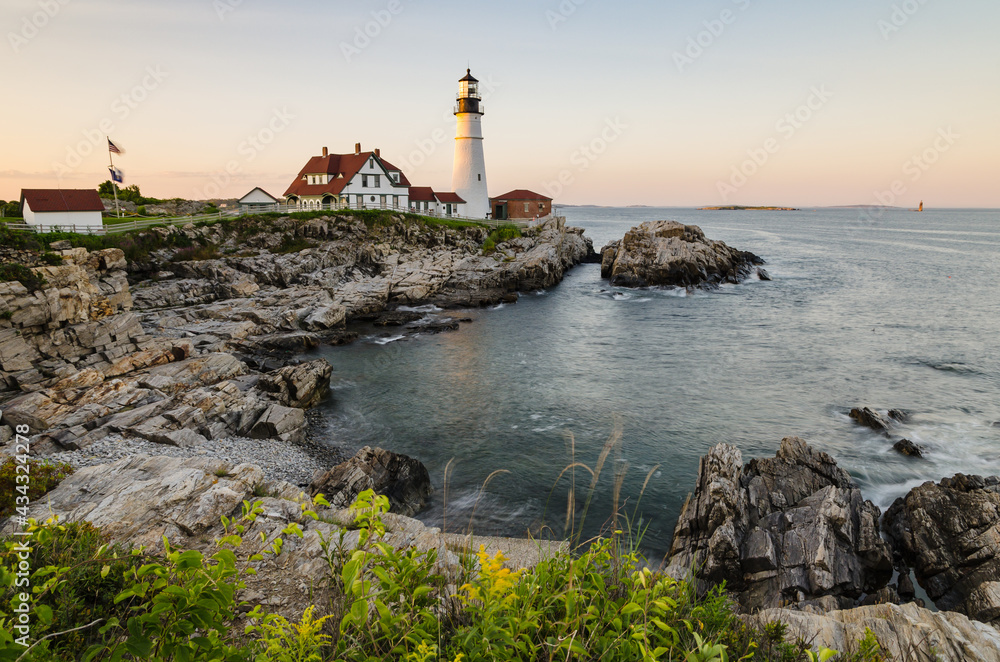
(378, 152)
(326, 152)
(357, 148)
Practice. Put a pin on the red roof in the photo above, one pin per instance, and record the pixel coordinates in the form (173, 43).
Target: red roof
(521, 194)
(347, 165)
(53, 199)
(449, 197)
(421, 194)
(428, 194)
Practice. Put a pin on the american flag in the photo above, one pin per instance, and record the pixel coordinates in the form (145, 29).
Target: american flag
(113, 148)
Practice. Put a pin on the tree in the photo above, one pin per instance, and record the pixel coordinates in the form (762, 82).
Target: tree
(125, 193)
(10, 209)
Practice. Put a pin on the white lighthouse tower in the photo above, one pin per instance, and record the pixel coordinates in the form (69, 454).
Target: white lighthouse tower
(468, 177)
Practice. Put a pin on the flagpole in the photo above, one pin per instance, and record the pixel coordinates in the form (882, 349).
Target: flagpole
(114, 186)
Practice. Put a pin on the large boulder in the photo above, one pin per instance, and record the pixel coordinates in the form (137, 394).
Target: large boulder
(671, 253)
(403, 479)
(949, 533)
(300, 385)
(792, 529)
(905, 632)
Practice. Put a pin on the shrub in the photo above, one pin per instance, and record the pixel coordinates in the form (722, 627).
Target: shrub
(292, 244)
(43, 476)
(51, 259)
(11, 272)
(18, 239)
(500, 235)
(93, 573)
(196, 253)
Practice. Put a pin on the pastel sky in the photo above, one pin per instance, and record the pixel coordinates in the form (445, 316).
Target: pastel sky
(789, 102)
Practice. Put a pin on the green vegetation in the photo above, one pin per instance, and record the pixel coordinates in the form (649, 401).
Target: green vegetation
(10, 210)
(602, 604)
(137, 246)
(196, 253)
(43, 477)
(292, 244)
(51, 259)
(126, 194)
(500, 235)
(11, 272)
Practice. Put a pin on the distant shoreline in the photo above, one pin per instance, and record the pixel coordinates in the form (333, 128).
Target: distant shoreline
(740, 208)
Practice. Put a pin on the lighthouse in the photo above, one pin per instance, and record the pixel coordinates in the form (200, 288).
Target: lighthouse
(468, 177)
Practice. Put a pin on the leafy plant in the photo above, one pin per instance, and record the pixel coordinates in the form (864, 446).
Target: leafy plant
(37, 479)
(87, 573)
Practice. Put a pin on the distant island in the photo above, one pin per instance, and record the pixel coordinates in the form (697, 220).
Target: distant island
(739, 208)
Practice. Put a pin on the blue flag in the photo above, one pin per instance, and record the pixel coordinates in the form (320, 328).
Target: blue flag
(117, 175)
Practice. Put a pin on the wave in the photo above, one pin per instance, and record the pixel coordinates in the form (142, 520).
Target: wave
(383, 340)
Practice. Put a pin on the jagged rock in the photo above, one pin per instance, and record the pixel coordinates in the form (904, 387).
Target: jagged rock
(871, 418)
(393, 318)
(790, 529)
(403, 479)
(949, 533)
(608, 255)
(762, 274)
(906, 632)
(671, 253)
(280, 422)
(898, 415)
(907, 447)
(299, 385)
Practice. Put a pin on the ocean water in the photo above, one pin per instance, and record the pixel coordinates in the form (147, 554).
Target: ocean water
(897, 310)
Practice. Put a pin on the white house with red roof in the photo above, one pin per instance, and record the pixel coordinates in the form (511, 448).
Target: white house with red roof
(425, 200)
(81, 208)
(363, 180)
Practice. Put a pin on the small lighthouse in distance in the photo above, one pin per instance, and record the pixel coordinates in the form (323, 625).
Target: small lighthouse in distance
(468, 177)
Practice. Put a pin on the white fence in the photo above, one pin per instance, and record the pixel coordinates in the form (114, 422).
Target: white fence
(143, 223)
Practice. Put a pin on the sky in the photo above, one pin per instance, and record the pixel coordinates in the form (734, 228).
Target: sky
(674, 103)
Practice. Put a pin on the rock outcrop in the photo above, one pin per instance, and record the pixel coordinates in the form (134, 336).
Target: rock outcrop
(403, 479)
(674, 254)
(793, 529)
(79, 319)
(877, 421)
(905, 632)
(349, 272)
(949, 533)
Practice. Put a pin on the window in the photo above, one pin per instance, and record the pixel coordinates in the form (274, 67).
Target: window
(371, 163)
(527, 207)
(378, 181)
(364, 181)
(480, 177)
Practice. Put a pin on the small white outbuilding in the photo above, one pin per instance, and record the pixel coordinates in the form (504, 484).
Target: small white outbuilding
(72, 209)
(257, 200)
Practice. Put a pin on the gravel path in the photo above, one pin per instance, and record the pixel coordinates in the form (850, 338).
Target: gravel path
(280, 460)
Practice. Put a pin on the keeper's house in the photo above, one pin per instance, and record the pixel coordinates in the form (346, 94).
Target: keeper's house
(64, 207)
(362, 180)
(520, 204)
